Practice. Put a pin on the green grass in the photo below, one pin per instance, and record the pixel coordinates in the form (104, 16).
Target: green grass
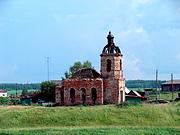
(90, 131)
(164, 95)
(141, 115)
(145, 118)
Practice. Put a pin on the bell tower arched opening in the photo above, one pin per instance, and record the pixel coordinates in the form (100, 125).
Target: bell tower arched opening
(108, 68)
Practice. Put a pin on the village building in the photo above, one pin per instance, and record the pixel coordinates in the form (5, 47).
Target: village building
(169, 85)
(3, 93)
(87, 86)
(135, 96)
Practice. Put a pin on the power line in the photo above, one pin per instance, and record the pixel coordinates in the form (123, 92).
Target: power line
(172, 88)
(48, 68)
(156, 84)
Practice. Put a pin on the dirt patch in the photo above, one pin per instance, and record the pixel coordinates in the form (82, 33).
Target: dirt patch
(14, 107)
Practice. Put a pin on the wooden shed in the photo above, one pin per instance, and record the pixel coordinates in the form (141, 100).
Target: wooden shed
(169, 85)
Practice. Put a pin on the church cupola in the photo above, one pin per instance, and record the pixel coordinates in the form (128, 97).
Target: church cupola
(110, 48)
(111, 59)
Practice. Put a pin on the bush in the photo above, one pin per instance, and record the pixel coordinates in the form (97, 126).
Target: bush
(48, 91)
(4, 100)
(14, 101)
(128, 103)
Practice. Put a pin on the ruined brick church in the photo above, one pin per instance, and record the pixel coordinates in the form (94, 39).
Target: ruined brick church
(87, 86)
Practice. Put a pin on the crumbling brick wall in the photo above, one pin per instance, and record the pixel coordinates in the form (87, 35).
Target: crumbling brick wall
(77, 85)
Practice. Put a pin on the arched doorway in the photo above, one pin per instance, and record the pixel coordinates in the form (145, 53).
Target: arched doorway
(83, 95)
(94, 95)
(72, 95)
(62, 96)
(121, 93)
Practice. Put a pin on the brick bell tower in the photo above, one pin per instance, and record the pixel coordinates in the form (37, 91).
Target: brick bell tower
(112, 72)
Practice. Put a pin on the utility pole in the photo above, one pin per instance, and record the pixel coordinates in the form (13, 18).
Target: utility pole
(156, 85)
(16, 93)
(48, 69)
(172, 89)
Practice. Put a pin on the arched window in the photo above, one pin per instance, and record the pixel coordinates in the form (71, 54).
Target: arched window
(94, 95)
(121, 93)
(72, 95)
(83, 95)
(120, 64)
(108, 68)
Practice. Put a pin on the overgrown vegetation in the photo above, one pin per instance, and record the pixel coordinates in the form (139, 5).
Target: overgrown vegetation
(4, 100)
(107, 119)
(164, 95)
(94, 131)
(167, 115)
(75, 67)
(48, 91)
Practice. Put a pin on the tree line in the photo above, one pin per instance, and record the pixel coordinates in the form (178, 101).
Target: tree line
(18, 86)
(37, 86)
(143, 83)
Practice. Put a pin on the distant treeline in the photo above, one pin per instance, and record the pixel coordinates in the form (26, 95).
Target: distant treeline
(129, 84)
(143, 83)
(13, 86)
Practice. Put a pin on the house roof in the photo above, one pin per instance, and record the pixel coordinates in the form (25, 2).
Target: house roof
(3, 91)
(57, 82)
(134, 93)
(137, 93)
(85, 73)
(127, 90)
(174, 82)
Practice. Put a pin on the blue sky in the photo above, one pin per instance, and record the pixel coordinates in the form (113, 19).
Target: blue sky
(147, 32)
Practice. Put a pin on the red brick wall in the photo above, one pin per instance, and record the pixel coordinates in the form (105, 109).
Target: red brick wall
(115, 66)
(113, 81)
(58, 94)
(77, 84)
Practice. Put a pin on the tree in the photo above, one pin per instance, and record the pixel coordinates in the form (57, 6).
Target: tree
(87, 64)
(4, 100)
(75, 67)
(48, 91)
(24, 93)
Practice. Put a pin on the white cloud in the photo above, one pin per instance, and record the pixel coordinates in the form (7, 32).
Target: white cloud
(178, 9)
(15, 20)
(140, 30)
(57, 18)
(70, 17)
(178, 56)
(142, 1)
(139, 14)
(1, 24)
(138, 34)
(132, 67)
(8, 72)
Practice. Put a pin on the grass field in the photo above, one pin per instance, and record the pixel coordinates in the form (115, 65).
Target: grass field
(94, 131)
(19, 92)
(164, 95)
(109, 119)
